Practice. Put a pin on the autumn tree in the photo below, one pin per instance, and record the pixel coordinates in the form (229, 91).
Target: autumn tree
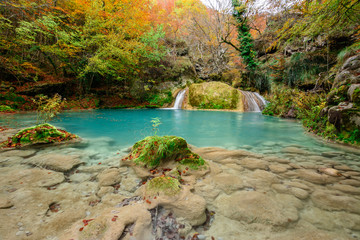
(87, 40)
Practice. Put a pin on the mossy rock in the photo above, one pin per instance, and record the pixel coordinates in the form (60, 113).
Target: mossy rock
(213, 95)
(354, 92)
(163, 184)
(43, 133)
(6, 109)
(153, 151)
(338, 95)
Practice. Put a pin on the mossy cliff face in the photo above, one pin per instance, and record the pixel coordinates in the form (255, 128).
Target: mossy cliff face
(215, 95)
(43, 133)
(343, 102)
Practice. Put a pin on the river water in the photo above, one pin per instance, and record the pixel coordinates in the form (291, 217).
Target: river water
(109, 131)
(279, 188)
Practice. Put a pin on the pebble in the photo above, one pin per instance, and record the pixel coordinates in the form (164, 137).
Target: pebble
(20, 224)
(21, 229)
(19, 233)
(201, 237)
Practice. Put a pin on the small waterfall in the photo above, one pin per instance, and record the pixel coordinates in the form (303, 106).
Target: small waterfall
(179, 99)
(253, 102)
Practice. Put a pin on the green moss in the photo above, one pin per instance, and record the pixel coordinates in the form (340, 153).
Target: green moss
(43, 133)
(164, 184)
(213, 95)
(338, 95)
(5, 108)
(155, 150)
(356, 96)
(159, 99)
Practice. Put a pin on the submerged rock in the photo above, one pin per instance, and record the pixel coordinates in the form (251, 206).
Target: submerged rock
(18, 153)
(109, 177)
(314, 177)
(34, 177)
(294, 150)
(219, 154)
(111, 224)
(256, 207)
(253, 163)
(56, 162)
(333, 201)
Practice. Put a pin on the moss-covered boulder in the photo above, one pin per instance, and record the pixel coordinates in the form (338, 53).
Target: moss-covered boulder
(354, 93)
(43, 133)
(6, 109)
(163, 184)
(153, 151)
(214, 95)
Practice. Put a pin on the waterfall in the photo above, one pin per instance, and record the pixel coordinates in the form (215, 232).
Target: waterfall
(179, 99)
(253, 102)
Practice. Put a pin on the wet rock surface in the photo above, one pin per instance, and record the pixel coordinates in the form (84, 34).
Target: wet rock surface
(245, 194)
(56, 162)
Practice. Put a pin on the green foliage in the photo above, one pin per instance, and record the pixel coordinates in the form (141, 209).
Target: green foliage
(338, 95)
(329, 17)
(159, 99)
(280, 102)
(48, 108)
(211, 105)
(348, 52)
(152, 51)
(352, 137)
(356, 97)
(299, 68)
(155, 150)
(5, 108)
(43, 133)
(12, 100)
(155, 124)
(308, 107)
(86, 40)
(163, 184)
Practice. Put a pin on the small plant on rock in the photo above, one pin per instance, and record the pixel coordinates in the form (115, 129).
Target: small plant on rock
(155, 124)
(48, 108)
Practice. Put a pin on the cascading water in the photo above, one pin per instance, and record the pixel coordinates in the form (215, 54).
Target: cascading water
(179, 99)
(253, 102)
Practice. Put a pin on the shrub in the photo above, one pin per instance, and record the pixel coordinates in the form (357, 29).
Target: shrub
(160, 99)
(48, 108)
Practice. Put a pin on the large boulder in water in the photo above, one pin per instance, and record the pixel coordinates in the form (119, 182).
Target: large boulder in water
(154, 151)
(215, 95)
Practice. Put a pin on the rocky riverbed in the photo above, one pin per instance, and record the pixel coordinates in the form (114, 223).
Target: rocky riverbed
(54, 193)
